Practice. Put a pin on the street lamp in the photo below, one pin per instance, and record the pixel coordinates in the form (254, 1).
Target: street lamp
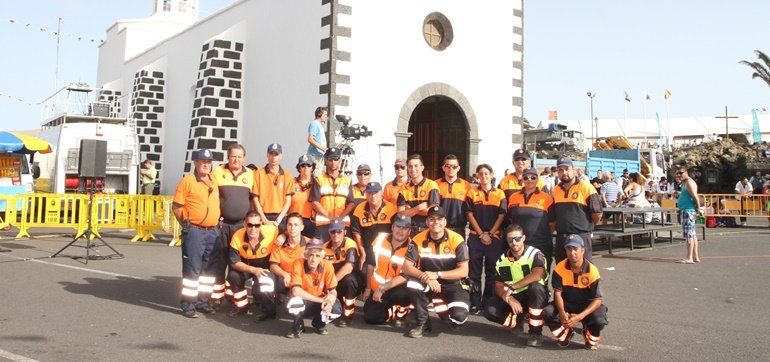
(594, 134)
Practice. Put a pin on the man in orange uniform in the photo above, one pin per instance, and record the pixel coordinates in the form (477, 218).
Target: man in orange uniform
(248, 257)
(273, 188)
(418, 195)
(363, 174)
(577, 207)
(342, 252)
(393, 188)
(371, 218)
(313, 290)
(332, 196)
(513, 182)
(303, 184)
(387, 298)
(453, 191)
(282, 263)
(196, 208)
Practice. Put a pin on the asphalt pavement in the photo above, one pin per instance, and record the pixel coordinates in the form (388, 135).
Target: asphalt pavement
(127, 310)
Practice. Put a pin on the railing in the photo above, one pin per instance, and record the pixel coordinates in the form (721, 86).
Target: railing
(720, 205)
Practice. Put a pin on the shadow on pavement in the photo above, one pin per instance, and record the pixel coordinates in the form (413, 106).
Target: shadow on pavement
(161, 293)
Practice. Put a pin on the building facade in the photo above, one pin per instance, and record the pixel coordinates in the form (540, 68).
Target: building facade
(430, 77)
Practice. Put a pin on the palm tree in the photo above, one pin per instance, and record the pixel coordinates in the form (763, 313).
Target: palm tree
(761, 71)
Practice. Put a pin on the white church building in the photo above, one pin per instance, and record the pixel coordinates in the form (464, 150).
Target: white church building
(431, 77)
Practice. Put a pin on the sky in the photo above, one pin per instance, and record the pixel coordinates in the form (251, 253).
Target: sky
(692, 48)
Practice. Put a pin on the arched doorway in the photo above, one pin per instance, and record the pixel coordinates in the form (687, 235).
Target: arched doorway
(439, 127)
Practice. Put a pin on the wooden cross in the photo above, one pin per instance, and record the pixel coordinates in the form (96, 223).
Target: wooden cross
(726, 118)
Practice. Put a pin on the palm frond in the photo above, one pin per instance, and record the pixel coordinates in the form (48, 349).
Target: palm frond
(763, 57)
(759, 70)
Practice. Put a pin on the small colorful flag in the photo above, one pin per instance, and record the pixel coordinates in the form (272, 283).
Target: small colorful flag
(666, 94)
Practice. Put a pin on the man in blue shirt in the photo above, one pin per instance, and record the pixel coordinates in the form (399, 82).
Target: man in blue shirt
(316, 137)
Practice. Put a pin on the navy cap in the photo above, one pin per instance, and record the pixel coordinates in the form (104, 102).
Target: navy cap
(202, 154)
(314, 244)
(404, 221)
(373, 187)
(521, 154)
(529, 171)
(436, 210)
(336, 225)
(564, 161)
(553, 168)
(332, 152)
(304, 160)
(574, 241)
(363, 167)
(275, 148)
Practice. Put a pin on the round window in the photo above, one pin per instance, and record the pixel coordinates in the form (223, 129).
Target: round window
(437, 31)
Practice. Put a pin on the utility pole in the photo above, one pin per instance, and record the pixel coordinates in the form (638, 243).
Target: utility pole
(594, 129)
(58, 42)
(727, 119)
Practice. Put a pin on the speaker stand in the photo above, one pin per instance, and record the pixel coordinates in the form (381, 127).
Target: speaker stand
(88, 234)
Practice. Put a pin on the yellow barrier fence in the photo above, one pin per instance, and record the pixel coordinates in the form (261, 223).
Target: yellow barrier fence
(731, 205)
(8, 206)
(49, 211)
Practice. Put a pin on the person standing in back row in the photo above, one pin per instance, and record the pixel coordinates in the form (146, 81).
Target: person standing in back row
(453, 191)
(316, 138)
(274, 187)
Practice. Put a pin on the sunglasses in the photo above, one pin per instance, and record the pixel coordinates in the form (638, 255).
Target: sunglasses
(365, 173)
(679, 173)
(514, 238)
(530, 178)
(520, 159)
(250, 225)
(305, 165)
(454, 167)
(399, 167)
(336, 232)
(333, 159)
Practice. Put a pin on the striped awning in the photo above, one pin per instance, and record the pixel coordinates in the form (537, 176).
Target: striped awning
(20, 143)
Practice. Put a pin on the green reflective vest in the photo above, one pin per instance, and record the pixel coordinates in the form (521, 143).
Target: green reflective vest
(519, 268)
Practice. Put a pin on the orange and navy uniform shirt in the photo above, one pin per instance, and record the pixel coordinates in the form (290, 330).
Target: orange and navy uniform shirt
(286, 255)
(199, 201)
(576, 289)
(299, 199)
(485, 206)
(512, 183)
(359, 194)
(391, 191)
(257, 255)
(443, 254)
(386, 260)
(272, 189)
(317, 281)
(333, 194)
(346, 252)
(453, 200)
(574, 206)
(369, 223)
(412, 195)
(235, 192)
(534, 213)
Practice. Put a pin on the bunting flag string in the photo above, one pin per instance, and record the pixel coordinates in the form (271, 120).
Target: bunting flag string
(75, 37)
(4, 95)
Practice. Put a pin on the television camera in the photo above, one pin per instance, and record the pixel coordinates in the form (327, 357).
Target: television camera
(352, 132)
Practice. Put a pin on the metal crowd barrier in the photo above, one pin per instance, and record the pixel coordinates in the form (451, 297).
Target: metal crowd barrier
(732, 205)
(144, 213)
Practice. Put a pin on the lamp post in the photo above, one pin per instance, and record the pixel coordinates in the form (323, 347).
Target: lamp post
(594, 134)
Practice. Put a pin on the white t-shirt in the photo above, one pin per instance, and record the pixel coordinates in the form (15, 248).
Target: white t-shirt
(743, 190)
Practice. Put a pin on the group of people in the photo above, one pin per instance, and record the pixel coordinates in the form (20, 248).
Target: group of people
(316, 242)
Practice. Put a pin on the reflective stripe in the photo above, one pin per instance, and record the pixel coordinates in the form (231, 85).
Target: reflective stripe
(462, 305)
(440, 308)
(323, 220)
(205, 288)
(535, 312)
(437, 301)
(216, 296)
(219, 287)
(229, 292)
(415, 285)
(190, 292)
(458, 322)
(295, 305)
(190, 283)
(241, 294)
(207, 280)
(349, 302)
(535, 322)
(242, 303)
(438, 256)
(326, 190)
(380, 279)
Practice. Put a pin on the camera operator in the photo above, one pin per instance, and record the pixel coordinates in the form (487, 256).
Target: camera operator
(316, 138)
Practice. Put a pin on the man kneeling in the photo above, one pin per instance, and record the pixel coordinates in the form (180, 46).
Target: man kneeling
(387, 298)
(520, 285)
(577, 298)
(313, 291)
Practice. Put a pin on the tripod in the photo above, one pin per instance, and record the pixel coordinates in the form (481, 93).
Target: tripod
(90, 187)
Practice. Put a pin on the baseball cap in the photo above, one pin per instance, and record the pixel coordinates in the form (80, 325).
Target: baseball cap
(625, 170)
(520, 154)
(202, 154)
(363, 167)
(337, 225)
(304, 160)
(275, 148)
(564, 161)
(403, 221)
(332, 152)
(574, 241)
(436, 210)
(373, 187)
(400, 162)
(529, 171)
(314, 244)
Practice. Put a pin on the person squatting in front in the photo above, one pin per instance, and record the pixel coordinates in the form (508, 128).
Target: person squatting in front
(313, 291)
(576, 297)
(520, 286)
(248, 258)
(342, 253)
(436, 262)
(387, 298)
(196, 208)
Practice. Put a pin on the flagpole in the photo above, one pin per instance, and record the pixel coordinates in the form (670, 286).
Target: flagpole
(625, 116)
(668, 125)
(644, 116)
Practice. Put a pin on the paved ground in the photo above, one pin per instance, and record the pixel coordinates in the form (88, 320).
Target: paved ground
(61, 309)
